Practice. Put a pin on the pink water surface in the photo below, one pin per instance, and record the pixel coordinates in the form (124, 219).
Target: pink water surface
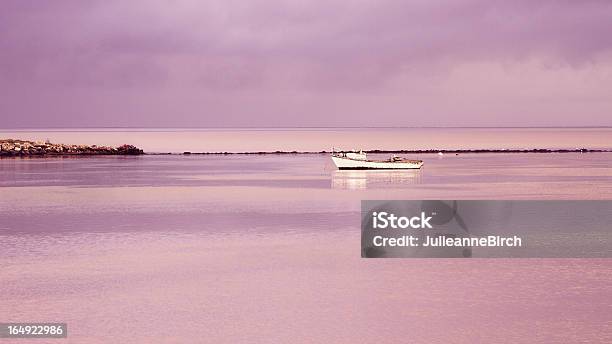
(318, 139)
(241, 249)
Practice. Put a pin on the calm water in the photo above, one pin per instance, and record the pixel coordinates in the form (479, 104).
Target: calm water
(316, 140)
(186, 249)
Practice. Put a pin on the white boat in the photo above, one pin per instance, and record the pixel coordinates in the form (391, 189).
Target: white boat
(359, 161)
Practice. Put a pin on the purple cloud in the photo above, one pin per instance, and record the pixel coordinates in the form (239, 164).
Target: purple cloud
(295, 63)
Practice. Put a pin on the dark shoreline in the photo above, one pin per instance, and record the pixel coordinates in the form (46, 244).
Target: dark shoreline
(23, 148)
(418, 151)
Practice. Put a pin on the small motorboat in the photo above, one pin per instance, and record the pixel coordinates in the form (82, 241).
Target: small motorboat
(359, 161)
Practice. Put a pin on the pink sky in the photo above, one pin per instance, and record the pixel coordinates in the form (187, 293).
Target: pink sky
(78, 63)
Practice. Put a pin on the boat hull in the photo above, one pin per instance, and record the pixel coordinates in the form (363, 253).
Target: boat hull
(352, 164)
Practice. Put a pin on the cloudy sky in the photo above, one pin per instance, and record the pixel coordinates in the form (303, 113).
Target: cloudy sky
(224, 63)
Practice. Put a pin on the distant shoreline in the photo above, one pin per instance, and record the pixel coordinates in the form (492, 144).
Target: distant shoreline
(403, 151)
(24, 148)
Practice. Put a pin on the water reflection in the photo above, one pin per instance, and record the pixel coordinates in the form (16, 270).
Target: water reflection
(363, 179)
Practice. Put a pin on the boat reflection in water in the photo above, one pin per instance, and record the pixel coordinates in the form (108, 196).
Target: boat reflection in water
(364, 179)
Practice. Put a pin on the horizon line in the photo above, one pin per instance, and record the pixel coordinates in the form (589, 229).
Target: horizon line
(309, 127)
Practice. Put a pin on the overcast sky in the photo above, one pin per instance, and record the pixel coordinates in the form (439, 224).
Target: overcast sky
(154, 63)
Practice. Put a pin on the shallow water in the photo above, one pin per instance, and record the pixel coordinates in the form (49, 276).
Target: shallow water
(319, 139)
(266, 249)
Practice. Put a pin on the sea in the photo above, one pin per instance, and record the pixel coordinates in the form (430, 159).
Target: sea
(235, 248)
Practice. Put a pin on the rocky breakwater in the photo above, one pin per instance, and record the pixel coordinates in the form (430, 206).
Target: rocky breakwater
(10, 147)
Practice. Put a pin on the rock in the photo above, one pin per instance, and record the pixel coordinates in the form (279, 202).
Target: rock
(11, 147)
(129, 150)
